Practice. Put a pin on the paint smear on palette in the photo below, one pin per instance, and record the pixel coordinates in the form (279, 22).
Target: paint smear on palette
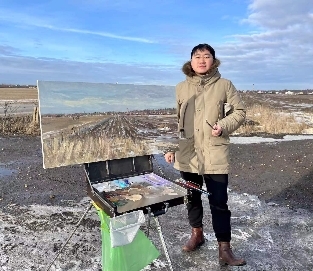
(134, 197)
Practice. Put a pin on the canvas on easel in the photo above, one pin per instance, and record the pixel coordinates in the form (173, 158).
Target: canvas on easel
(90, 122)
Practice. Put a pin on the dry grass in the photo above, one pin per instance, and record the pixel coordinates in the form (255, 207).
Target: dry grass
(10, 125)
(65, 150)
(263, 119)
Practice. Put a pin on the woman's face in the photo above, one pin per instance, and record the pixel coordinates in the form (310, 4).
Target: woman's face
(201, 61)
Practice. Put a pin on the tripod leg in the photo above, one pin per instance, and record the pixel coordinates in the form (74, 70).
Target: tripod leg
(163, 243)
(68, 239)
(148, 222)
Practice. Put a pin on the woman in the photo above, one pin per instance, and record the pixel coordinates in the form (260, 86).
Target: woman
(209, 108)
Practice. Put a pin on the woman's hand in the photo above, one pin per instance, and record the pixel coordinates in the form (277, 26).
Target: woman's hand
(217, 130)
(169, 157)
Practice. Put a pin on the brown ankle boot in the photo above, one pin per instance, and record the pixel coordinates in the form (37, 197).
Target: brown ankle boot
(196, 240)
(226, 256)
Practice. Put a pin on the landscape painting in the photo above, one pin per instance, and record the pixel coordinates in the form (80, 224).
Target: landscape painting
(89, 122)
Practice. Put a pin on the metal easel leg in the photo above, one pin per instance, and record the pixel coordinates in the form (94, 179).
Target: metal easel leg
(148, 222)
(76, 227)
(163, 242)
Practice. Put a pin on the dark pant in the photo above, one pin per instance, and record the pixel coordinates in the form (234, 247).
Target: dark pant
(217, 185)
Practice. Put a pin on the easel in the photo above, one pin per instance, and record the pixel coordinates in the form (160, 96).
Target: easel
(150, 214)
(106, 170)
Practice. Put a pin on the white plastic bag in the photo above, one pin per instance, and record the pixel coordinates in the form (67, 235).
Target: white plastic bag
(124, 228)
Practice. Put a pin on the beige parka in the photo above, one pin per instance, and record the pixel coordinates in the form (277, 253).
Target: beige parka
(201, 99)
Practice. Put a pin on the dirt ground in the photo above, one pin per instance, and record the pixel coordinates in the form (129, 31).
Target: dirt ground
(37, 203)
(18, 93)
(275, 172)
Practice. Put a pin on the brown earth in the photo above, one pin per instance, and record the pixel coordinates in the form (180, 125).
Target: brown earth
(18, 93)
(275, 172)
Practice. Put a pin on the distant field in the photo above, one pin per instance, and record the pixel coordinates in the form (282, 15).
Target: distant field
(289, 103)
(18, 93)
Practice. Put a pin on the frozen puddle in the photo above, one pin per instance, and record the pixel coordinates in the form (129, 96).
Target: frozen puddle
(5, 171)
(268, 236)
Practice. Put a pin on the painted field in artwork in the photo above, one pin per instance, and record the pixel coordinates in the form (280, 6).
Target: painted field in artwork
(85, 122)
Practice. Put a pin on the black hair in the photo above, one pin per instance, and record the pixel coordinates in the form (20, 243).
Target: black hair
(202, 47)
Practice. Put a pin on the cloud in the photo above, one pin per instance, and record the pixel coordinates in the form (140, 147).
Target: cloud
(89, 101)
(279, 14)
(25, 19)
(27, 70)
(97, 33)
(6, 50)
(279, 54)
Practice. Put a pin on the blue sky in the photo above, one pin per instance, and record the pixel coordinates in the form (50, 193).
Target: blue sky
(262, 44)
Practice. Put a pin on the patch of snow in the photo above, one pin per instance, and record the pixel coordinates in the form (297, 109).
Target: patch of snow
(256, 139)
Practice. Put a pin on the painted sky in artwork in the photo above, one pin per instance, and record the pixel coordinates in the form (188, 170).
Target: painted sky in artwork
(78, 97)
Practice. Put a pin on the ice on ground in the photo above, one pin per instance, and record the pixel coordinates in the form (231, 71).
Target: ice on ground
(256, 139)
(31, 236)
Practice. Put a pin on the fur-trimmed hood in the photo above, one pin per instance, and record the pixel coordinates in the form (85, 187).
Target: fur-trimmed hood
(188, 70)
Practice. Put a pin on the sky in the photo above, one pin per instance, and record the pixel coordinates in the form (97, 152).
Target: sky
(262, 44)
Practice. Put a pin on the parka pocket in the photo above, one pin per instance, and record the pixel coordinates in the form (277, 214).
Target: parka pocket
(186, 149)
(218, 151)
(219, 155)
(219, 140)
